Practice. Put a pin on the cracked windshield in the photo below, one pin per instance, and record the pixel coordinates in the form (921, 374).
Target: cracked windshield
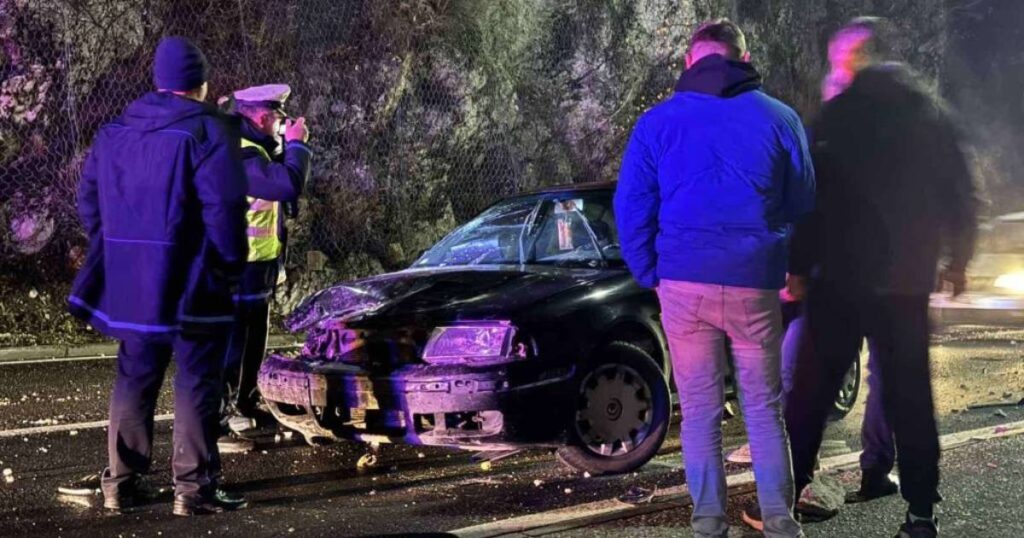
(568, 229)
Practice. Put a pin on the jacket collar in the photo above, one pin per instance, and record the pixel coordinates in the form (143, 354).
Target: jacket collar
(251, 133)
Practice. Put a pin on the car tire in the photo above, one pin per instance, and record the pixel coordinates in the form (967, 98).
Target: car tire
(624, 381)
(848, 392)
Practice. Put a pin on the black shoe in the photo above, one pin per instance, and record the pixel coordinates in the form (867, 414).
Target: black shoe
(233, 443)
(874, 486)
(216, 502)
(132, 493)
(919, 529)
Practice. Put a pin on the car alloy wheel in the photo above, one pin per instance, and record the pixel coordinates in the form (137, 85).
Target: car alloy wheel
(615, 412)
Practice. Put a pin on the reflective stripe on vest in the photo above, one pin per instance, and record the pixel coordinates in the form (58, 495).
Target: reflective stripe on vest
(262, 218)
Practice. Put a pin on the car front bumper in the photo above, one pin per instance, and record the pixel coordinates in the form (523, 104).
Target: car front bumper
(470, 407)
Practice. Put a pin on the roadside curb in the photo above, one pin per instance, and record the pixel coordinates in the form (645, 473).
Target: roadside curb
(584, 515)
(98, 350)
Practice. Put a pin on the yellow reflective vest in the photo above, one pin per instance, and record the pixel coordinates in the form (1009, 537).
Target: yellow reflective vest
(262, 218)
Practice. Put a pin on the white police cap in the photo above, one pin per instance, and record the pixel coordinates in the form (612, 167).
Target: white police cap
(272, 96)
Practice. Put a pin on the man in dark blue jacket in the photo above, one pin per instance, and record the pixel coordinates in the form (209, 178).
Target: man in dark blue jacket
(162, 199)
(710, 183)
(277, 162)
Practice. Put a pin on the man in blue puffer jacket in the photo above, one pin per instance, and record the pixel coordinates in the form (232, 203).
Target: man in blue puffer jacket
(162, 199)
(710, 183)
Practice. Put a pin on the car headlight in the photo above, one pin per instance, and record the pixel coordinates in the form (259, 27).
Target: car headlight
(1011, 281)
(476, 342)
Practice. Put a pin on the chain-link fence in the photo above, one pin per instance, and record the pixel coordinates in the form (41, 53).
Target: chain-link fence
(422, 111)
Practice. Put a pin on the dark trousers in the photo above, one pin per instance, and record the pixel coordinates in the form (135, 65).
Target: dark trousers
(897, 326)
(197, 392)
(246, 350)
(879, 448)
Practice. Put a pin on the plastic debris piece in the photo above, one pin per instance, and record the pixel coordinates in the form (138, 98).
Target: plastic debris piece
(538, 483)
(421, 455)
(73, 433)
(8, 471)
(367, 461)
(485, 465)
(32, 293)
(586, 474)
(1000, 413)
(277, 438)
(568, 491)
(373, 492)
(288, 434)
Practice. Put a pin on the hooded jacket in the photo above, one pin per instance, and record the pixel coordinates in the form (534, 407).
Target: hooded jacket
(711, 180)
(277, 177)
(162, 200)
(894, 189)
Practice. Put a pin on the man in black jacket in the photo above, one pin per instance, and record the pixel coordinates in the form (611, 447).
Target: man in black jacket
(894, 190)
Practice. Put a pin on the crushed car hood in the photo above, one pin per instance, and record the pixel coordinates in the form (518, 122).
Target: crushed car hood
(450, 293)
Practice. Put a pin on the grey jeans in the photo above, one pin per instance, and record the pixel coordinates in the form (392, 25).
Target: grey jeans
(700, 321)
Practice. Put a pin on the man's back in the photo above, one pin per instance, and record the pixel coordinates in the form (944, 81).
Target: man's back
(732, 172)
(162, 198)
(893, 183)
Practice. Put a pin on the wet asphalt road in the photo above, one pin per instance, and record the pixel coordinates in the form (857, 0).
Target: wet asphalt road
(315, 491)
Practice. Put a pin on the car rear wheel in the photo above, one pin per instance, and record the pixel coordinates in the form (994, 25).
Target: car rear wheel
(622, 412)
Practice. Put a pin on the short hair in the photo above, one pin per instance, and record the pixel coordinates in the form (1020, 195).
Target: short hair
(722, 32)
(879, 30)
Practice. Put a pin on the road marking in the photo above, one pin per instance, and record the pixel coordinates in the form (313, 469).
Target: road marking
(24, 432)
(113, 355)
(582, 515)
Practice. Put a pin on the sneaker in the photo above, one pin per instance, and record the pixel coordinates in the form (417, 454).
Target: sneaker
(740, 455)
(874, 486)
(919, 529)
(751, 516)
(85, 486)
(215, 502)
(232, 443)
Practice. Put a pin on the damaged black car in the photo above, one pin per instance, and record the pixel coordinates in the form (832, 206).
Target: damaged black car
(522, 328)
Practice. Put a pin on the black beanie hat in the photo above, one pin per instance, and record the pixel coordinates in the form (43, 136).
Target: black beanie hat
(179, 65)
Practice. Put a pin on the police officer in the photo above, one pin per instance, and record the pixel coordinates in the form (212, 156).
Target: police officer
(162, 199)
(277, 171)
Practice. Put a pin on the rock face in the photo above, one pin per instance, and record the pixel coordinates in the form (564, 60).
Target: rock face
(422, 111)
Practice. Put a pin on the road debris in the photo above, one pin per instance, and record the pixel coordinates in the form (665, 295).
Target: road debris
(538, 483)
(1000, 413)
(367, 461)
(637, 495)
(485, 465)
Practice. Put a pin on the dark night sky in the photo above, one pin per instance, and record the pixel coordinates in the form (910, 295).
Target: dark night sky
(984, 78)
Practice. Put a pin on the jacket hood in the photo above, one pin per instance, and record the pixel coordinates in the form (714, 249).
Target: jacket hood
(717, 76)
(892, 83)
(157, 110)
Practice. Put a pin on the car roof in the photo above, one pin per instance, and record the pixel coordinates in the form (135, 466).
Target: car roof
(574, 187)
